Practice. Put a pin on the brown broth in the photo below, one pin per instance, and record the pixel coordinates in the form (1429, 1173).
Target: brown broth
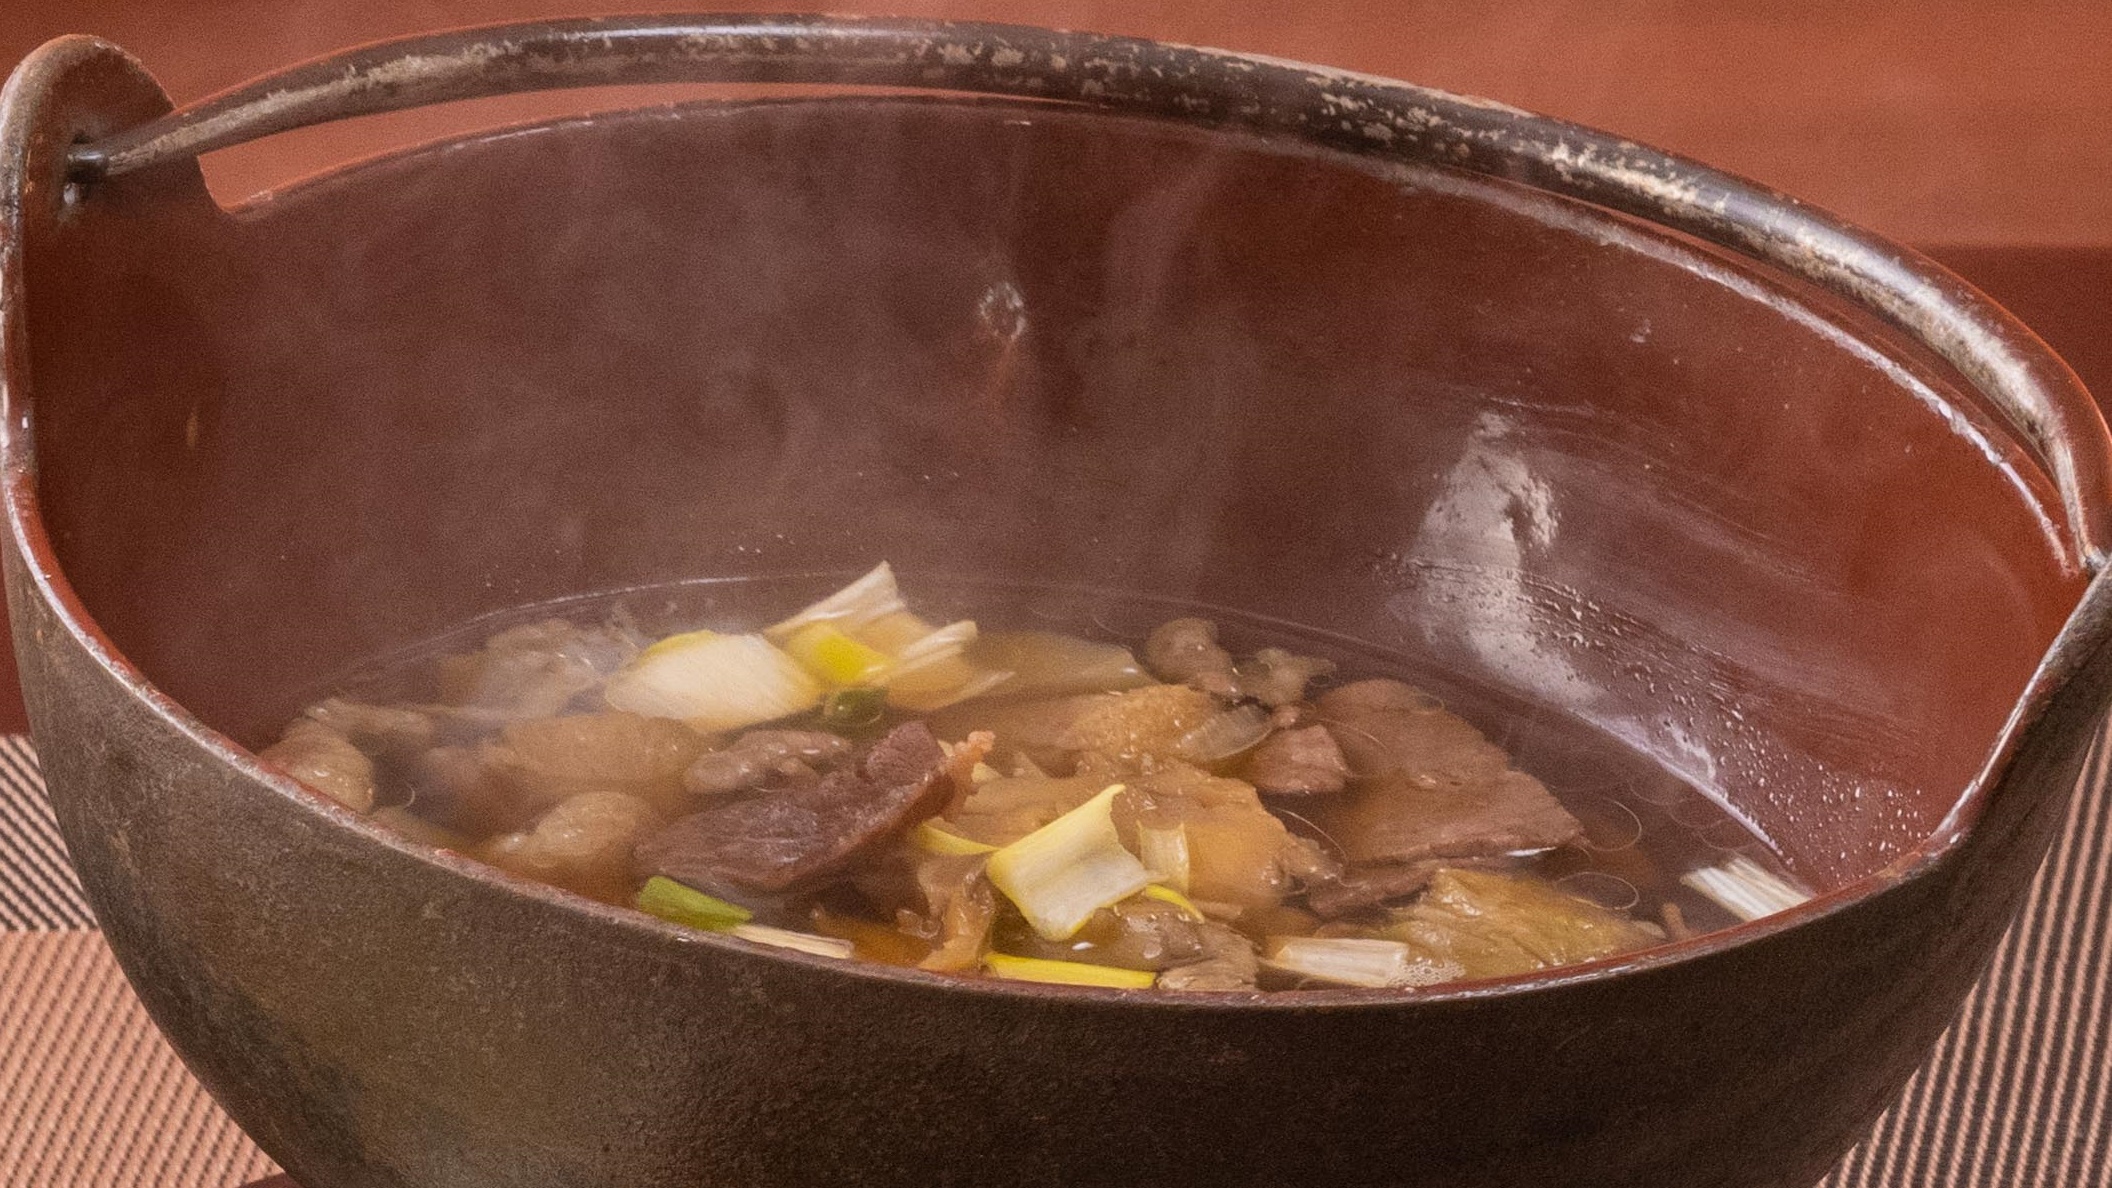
(1643, 826)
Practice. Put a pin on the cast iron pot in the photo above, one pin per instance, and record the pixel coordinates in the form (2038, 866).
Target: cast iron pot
(1789, 509)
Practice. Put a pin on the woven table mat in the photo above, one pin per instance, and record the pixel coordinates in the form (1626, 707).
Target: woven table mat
(90, 1097)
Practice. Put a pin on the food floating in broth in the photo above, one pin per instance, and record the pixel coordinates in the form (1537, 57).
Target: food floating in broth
(855, 781)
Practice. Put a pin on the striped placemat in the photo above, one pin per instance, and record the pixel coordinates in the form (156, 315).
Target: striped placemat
(90, 1097)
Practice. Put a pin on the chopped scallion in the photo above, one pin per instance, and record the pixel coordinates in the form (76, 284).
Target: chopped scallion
(1164, 851)
(935, 839)
(1344, 961)
(785, 938)
(851, 709)
(1745, 888)
(672, 901)
(1165, 894)
(1066, 973)
(850, 608)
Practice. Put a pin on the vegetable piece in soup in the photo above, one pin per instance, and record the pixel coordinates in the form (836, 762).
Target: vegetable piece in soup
(853, 779)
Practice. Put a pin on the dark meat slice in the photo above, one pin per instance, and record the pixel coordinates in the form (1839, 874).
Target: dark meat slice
(1388, 728)
(1301, 762)
(1429, 786)
(1368, 886)
(799, 836)
(1185, 651)
(1144, 933)
(1392, 819)
(759, 756)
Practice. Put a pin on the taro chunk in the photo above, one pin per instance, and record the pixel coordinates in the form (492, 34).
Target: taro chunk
(546, 760)
(326, 761)
(582, 845)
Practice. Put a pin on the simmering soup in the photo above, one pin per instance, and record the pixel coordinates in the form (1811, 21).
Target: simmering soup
(1206, 805)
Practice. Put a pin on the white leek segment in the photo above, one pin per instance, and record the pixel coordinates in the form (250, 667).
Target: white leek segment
(929, 672)
(1046, 664)
(714, 682)
(1063, 872)
(1067, 973)
(1164, 851)
(785, 938)
(1343, 960)
(864, 634)
(1745, 888)
(850, 608)
(834, 656)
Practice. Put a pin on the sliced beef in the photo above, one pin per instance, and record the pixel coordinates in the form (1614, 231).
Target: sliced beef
(760, 757)
(1391, 819)
(1301, 762)
(1186, 652)
(1368, 886)
(797, 837)
(1429, 785)
(1387, 728)
(1144, 933)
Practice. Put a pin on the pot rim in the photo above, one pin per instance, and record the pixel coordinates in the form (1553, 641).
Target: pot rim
(2046, 407)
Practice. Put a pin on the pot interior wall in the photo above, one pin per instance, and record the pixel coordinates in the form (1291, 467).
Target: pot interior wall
(1496, 434)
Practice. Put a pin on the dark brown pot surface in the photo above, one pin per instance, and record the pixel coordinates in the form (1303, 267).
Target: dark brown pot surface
(1780, 540)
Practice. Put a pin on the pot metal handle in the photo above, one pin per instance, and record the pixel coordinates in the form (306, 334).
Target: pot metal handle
(1359, 114)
